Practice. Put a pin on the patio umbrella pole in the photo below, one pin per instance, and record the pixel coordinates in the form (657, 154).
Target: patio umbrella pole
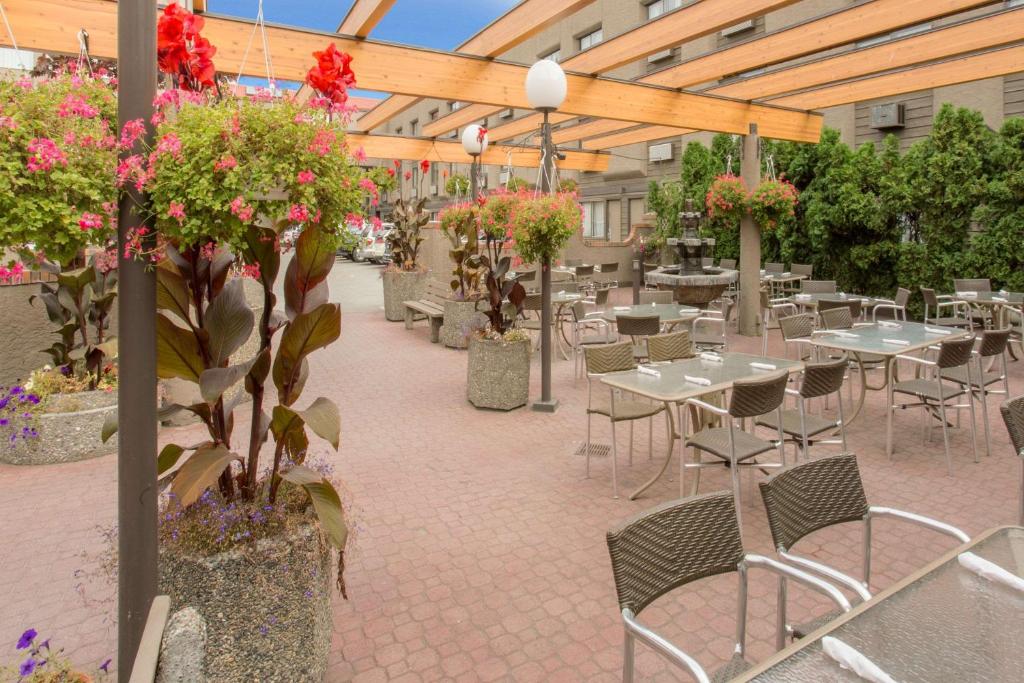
(546, 404)
(750, 241)
(136, 400)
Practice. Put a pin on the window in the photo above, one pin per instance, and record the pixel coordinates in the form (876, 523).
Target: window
(554, 56)
(894, 35)
(505, 114)
(454, 106)
(398, 131)
(433, 180)
(591, 39)
(414, 128)
(593, 221)
(433, 115)
(659, 7)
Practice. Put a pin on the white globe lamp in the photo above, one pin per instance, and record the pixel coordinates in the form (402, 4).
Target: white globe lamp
(474, 143)
(546, 86)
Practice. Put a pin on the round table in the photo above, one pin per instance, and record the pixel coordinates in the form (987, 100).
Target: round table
(669, 314)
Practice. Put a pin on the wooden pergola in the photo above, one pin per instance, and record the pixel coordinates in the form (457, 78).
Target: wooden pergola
(600, 112)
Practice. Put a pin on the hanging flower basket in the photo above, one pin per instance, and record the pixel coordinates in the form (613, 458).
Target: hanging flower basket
(726, 200)
(773, 201)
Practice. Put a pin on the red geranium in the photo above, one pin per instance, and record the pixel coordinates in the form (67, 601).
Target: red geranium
(424, 166)
(181, 51)
(332, 76)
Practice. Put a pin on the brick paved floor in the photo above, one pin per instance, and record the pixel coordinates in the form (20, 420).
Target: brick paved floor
(479, 552)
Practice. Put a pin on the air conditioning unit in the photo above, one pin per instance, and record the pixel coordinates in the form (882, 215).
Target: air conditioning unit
(884, 116)
(737, 28)
(662, 152)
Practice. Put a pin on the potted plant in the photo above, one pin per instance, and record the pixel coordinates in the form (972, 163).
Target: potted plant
(457, 185)
(405, 279)
(460, 223)
(245, 539)
(726, 201)
(773, 201)
(40, 661)
(498, 373)
(542, 225)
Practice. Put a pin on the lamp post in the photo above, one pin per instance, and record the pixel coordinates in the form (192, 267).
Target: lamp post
(546, 89)
(475, 142)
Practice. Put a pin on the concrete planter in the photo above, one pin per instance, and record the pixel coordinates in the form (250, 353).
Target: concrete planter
(458, 321)
(267, 609)
(499, 374)
(69, 430)
(399, 286)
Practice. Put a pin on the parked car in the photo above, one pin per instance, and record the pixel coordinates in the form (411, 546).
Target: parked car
(290, 236)
(374, 246)
(351, 238)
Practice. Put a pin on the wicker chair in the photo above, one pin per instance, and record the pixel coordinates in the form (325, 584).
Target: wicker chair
(819, 380)
(934, 394)
(528, 276)
(658, 297)
(932, 302)
(599, 299)
(600, 361)
(973, 285)
(818, 286)
(609, 274)
(775, 268)
(638, 328)
(802, 269)
(678, 543)
(727, 263)
(707, 262)
(991, 351)
(664, 348)
(567, 286)
(897, 307)
(531, 323)
(804, 498)
(772, 310)
(585, 275)
(1013, 418)
(709, 332)
(798, 329)
(588, 329)
(849, 310)
(749, 398)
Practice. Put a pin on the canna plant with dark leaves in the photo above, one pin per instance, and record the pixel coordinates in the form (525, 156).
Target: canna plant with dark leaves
(459, 223)
(505, 297)
(410, 219)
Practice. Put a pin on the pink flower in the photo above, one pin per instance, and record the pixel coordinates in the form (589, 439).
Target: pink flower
(376, 222)
(226, 162)
(177, 210)
(45, 154)
(169, 144)
(360, 154)
(131, 132)
(8, 122)
(69, 138)
(251, 270)
(129, 168)
(323, 142)
(241, 209)
(90, 221)
(298, 213)
(208, 251)
(353, 219)
(408, 175)
(306, 177)
(368, 185)
(75, 105)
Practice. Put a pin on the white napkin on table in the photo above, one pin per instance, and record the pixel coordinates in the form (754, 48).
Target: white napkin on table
(802, 296)
(889, 323)
(990, 570)
(937, 330)
(702, 381)
(851, 659)
(967, 295)
(865, 301)
(620, 308)
(897, 342)
(644, 370)
(763, 366)
(561, 291)
(713, 357)
(1000, 299)
(845, 335)
(787, 274)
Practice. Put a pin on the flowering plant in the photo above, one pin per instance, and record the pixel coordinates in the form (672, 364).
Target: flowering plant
(43, 664)
(542, 225)
(181, 52)
(332, 75)
(505, 296)
(460, 223)
(726, 200)
(773, 201)
(16, 420)
(457, 185)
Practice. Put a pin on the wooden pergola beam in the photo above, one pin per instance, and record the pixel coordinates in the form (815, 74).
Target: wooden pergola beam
(417, 72)
(998, 62)
(668, 30)
(416, 149)
(633, 136)
(590, 129)
(517, 25)
(363, 16)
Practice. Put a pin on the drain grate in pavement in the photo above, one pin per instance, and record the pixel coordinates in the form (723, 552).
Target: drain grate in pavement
(597, 450)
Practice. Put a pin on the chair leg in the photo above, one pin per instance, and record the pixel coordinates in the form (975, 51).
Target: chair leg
(735, 471)
(615, 466)
(589, 417)
(650, 438)
(628, 659)
(631, 443)
(945, 437)
(983, 397)
(974, 424)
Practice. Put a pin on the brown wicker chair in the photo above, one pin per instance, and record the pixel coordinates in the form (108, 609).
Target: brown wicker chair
(659, 297)
(775, 268)
(588, 329)
(802, 269)
(678, 543)
(531, 314)
(818, 286)
(932, 302)
(1013, 418)
(798, 329)
(638, 328)
(804, 498)
(897, 307)
(839, 315)
(727, 263)
(602, 360)
(749, 398)
(771, 310)
(973, 285)
(933, 395)
(991, 351)
(662, 348)
(609, 274)
(818, 380)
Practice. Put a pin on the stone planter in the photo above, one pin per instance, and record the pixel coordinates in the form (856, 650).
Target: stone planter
(402, 286)
(499, 373)
(458, 320)
(69, 430)
(267, 609)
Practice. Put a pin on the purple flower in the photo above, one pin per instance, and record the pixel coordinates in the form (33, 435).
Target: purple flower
(264, 630)
(16, 390)
(27, 667)
(105, 667)
(26, 638)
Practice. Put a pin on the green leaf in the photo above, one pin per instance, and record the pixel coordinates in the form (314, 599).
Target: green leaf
(298, 301)
(326, 502)
(307, 273)
(177, 352)
(200, 472)
(215, 381)
(168, 458)
(324, 418)
(76, 280)
(109, 427)
(285, 420)
(307, 333)
(229, 322)
(171, 291)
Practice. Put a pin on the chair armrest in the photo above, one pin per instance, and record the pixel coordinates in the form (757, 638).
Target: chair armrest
(915, 359)
(889, 302)
(813, 582)
(944, 297)
(707, 406)
(891, 306)
(826, 571)
(920, 520)
(663, 647)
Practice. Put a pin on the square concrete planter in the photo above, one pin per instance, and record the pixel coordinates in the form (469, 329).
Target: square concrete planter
(459, 318)
(399, 286)
(499, 373)
(267, 608)
(69, 430)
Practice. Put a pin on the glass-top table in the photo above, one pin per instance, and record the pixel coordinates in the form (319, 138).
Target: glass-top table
(670, 386)
(1000, 298)
(942, 623)
(812, 300)
(669, 314)
(884, 340)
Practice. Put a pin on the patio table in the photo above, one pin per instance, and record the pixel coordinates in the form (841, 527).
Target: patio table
(670, 386)
(778, 281)
(560, 300)
(997, 301)
(941, 623)
(876, 339)
(669, 314)
(812, 300)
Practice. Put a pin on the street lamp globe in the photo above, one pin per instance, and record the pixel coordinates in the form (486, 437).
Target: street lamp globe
(546, 86)
(475, 140)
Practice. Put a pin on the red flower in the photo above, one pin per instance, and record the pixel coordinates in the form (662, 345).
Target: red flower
(397, 163)
(424, 166)
(391, 172)
(181, 51)
(408, 175)
(332, 76)
(481, 133)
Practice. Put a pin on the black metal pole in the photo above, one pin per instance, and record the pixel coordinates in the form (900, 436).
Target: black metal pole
(136, 401)
(474, 178)
(546, 404)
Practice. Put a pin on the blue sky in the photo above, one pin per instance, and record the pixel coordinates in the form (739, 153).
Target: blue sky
(441, 24)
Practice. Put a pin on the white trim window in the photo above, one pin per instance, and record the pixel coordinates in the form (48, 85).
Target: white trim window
(594, 224)
(659, 7)
(554, 56)
(591, 39)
